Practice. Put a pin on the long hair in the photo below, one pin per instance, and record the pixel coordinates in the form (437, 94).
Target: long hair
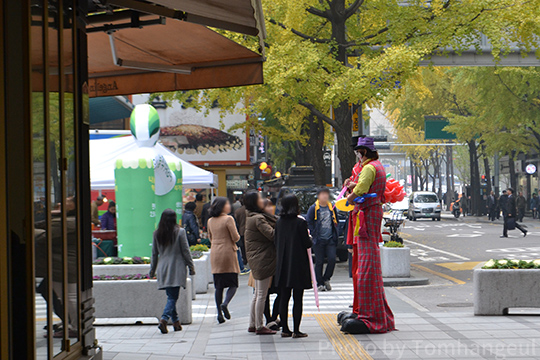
(217, 206)
(289, 206)
(166, 229)
(251, 201)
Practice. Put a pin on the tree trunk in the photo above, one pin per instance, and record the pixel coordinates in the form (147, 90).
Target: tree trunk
(512, 169)
(316, 144)
(475, 178)
(343, 115)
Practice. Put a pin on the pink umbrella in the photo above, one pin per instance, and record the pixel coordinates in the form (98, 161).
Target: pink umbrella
(313, 279)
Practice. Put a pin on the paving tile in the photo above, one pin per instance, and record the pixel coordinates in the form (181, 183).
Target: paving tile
(131, 357)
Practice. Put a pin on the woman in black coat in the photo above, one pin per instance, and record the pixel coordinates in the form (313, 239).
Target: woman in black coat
(292, 269)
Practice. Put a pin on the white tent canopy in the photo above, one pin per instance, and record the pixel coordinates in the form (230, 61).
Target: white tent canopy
(104, 152)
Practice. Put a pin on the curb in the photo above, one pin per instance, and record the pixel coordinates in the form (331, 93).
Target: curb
(411, 281)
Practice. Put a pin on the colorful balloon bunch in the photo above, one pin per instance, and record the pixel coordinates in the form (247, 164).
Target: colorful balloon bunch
(394, 191)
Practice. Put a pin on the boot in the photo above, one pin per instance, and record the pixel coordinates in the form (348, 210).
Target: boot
(177, 326)
(163, 326)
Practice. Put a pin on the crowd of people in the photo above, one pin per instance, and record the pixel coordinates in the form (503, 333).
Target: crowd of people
(276, 250)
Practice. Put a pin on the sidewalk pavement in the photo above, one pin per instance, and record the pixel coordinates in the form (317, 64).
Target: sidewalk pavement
(421, 334)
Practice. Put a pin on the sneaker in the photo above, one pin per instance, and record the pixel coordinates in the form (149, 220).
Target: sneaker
(286, 334)
(327, 285)
(321, 288)
(273, 325)
(251, 329)
(245, 271)
(299, 334)
(265, 331)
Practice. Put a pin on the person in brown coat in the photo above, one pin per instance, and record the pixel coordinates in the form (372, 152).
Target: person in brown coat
(261, 254)
(223, 257)
(240, 216)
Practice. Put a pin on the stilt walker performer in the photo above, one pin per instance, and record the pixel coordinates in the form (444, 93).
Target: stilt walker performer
(372, 308)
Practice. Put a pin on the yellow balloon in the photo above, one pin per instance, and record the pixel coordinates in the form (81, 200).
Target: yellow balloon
(342, 205)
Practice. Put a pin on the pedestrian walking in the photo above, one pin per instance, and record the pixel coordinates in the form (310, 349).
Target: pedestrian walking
(510, 218)
(293, 273)
(170, 257)
(272, 321)
(503, 203)
(464, 204)
(373, 311)
(199, 204)
(534, 205)
(240, 217)
(323, 226)
(491, 206)
(223, 258)
(261, 254)
(521, 204)
(190, 224)
(237, 203)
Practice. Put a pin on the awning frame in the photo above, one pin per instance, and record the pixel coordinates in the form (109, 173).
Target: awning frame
(152, 9)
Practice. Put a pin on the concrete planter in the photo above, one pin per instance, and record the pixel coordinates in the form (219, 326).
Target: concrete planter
(127, 269)
(137, 299)
(497, 290)
(396, 262)
(201, 274)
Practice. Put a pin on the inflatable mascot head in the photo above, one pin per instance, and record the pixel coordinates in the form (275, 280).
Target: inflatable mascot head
(144, 124)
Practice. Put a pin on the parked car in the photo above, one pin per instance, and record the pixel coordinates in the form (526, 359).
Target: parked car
(424, 204)
(401, 206)
(307, 197)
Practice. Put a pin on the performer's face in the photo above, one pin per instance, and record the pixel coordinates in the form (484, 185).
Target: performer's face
(361, 154)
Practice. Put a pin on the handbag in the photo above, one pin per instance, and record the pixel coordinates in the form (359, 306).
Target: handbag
(510, 223)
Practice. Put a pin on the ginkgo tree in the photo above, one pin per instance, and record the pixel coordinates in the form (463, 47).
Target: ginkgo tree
(324, 54)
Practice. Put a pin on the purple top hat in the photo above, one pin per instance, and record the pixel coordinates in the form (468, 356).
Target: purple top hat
(366, 142)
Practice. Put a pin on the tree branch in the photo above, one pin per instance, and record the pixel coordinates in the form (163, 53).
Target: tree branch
(302, 35)
(351, 10)
(320, 13)
(318, 113)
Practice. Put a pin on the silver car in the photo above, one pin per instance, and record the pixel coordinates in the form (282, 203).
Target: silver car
(424, 204)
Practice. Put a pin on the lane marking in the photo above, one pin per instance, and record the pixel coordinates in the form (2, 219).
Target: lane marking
(440, 274)
(438, 250)
(345, 345)
(460, 266)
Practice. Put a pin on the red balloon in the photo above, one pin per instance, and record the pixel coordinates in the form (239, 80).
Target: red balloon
(401, 196)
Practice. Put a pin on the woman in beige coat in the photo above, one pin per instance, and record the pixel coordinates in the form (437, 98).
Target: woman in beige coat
(223, 257)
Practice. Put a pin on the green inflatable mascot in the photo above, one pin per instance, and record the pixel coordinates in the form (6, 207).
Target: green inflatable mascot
(146, 184)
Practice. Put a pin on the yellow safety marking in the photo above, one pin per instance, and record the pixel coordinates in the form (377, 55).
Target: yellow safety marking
(460, 266)
(448, 277)
(346, 346)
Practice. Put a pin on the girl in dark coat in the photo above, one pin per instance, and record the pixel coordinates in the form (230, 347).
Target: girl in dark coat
(292, 269)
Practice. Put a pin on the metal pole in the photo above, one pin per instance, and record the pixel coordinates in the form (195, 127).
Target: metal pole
(496, 174)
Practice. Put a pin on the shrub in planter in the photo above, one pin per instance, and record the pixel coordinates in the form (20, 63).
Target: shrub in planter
(393, 244)
(199, 247)
(122, 261)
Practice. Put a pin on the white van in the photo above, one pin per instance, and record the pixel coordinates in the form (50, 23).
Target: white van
(424, 204)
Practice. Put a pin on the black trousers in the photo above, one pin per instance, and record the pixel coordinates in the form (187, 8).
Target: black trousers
(521, 214)
(298, 307)
(505, 227)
